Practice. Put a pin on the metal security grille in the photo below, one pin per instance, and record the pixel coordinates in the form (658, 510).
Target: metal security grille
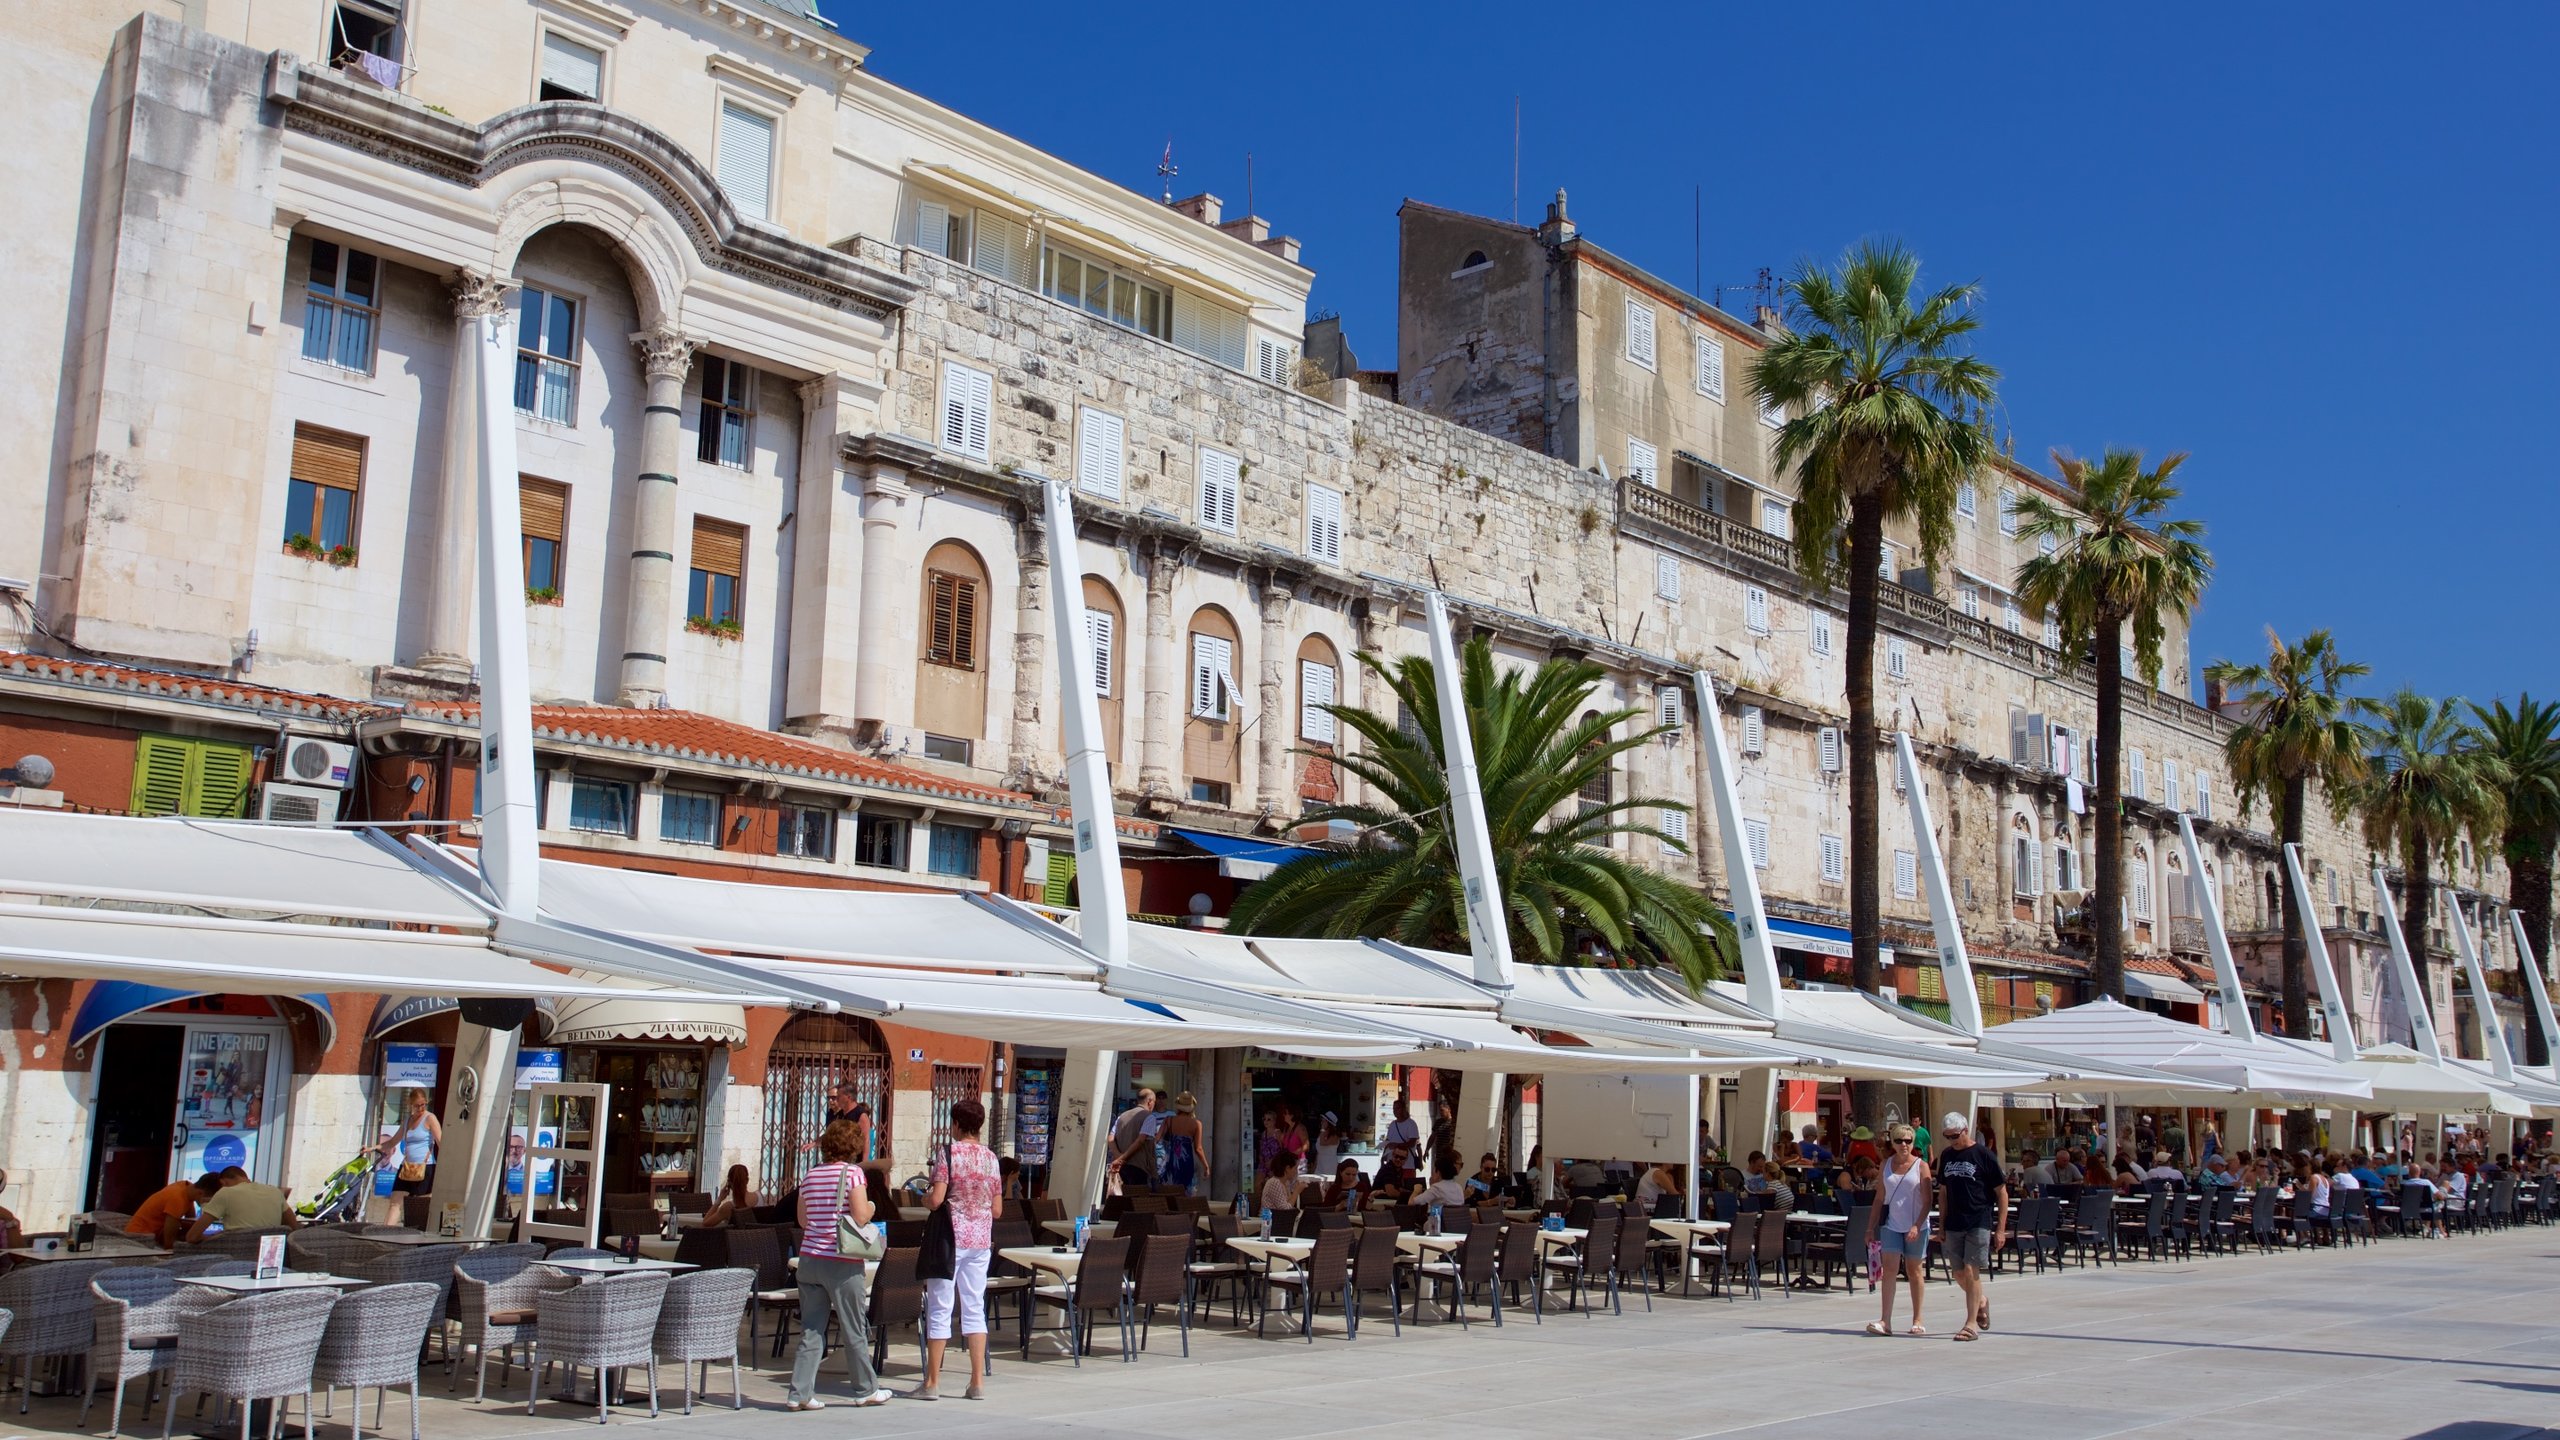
(951, 1085)
(813, 1054)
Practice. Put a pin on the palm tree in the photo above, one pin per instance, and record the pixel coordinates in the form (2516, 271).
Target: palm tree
(1544, 759)
(2526, 742)
(1885, 422)
(2428, 782)
(2114, 562)
(2296, 729)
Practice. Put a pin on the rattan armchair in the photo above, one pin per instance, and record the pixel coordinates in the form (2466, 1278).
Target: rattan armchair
(258, 1347)
(496, 1293)
(137, 1313)
(52, 1305)
(606, 1324)
(698, 1323)
(373, 1338)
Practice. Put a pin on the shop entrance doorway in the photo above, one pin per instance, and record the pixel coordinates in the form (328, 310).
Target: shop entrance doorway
(182, 1098)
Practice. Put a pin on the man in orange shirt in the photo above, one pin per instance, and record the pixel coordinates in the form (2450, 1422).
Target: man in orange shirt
(165, 1216)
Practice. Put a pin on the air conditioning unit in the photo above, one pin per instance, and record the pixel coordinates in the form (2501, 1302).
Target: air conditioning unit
(297, 804)
(316, 762)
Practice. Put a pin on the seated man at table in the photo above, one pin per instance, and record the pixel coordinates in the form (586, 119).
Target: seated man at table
(1813, 1150)
(1586, 1177)
(165, 1216)
(2360, 1165)
(242, 1204)
(1488, 1183)
(2162, 1169)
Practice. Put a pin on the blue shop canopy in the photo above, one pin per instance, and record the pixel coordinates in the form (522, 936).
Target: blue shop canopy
(109, 1001)
(1242, 857)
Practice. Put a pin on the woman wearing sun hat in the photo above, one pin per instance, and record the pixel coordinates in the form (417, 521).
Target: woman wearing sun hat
(1862, 1141)
(1902, 1231)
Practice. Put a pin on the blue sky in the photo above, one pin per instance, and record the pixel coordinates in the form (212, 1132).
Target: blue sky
(2310, 246)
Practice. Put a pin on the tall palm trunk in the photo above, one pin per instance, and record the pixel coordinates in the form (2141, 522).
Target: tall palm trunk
(2106, 902)
(1866, 901)
(2413, 928)
(2299, 1129)
(2529, 895)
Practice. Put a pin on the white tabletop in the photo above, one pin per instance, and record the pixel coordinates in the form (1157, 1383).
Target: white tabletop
(251, 1284)
(1274, 1252)
(1057, 1260)
(1567, 1236)
(1692, 1227)
(1799, 1217)
(102, 1251)
(405, 1236)
(614, 1265)
(1411, 1244)
(1066, 1229)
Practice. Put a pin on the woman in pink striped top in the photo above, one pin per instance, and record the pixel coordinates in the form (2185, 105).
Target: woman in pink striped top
(828, 1279)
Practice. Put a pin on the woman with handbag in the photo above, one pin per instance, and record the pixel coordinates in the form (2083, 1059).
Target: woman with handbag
(967, 1196)
(837, 1242)
(414, 1141)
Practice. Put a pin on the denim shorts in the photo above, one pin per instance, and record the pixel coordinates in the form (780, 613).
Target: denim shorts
(1899, 1242)
(1969, 1249)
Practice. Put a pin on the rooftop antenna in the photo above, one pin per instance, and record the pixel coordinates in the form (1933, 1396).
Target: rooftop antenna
(1697, 237)
(1515, 158)
(1166, 170)
(1248, 183)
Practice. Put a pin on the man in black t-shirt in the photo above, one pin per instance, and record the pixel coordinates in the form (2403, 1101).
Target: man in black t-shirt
(1973, 1198)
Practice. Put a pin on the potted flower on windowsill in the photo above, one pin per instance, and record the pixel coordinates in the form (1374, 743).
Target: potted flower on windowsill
(342, 556)
(716, 629)
(542, 594)
(302, 545)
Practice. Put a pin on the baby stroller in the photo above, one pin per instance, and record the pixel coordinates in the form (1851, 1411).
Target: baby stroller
(342, 1195)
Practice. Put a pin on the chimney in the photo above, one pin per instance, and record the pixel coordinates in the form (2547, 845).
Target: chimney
(1284, 246)
(1203, 207)
(2213, 692)
(1559, 227)
(1252, 229)
(1766, 317)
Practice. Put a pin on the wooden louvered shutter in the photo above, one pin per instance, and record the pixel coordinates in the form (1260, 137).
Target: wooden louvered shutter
(933, 227)
(159, 775)
(1101, 453)
(545, 504)
(328, 457)
(1098, 628)
(1315, 692)
(953, 638)
(1058, 887)
(221, 787)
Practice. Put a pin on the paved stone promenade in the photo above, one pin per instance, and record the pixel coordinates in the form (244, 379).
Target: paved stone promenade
(2442, 1338)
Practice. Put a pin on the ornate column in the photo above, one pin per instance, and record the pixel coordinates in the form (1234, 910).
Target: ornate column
(818, 692)
(1031, 640)
(1271, 755)
(1378, 626)
(888, 625)
(1164, 682)
(666, 355)
(445, 648)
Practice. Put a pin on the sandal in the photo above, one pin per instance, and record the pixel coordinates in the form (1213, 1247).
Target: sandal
(1915, 1330)
(1878, 1327)
(1982, 1321)
(1967, 1333)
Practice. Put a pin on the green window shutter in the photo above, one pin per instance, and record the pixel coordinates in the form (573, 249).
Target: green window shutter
(160, 775)
(1062, 879)
(221, 789)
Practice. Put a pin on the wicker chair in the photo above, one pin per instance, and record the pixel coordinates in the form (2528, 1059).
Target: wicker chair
(188, 1267)
(496, 1294)
(699, 1324)
(1160, 1278)
(258, 1347)
(373, 1338)
(1327, 1272)
(328, 1250)
(765, 1250)
(52, 1304)
(138, 1315)
(607, 1324)
(417, 1265)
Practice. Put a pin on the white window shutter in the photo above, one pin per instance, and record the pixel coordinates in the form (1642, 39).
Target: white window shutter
(1221, 475)
(1755, 610)
(1835, 860)
(1668, 708)
(1666, 576)
(1711, 367)
(1315, 691)
(1640, 333)
(2035, 868)
(576, 68)
(1777, 518)
(1755, 834)
(2046, 544)
(2134, 783)
(2008, 512)
(2014, 619)
(1675, 825)
(1897, 657)
(746, 159)
(1098, 628)
(2169, 787)
(1754, 730)
(1884, 561)
(1772, 414)
(2204, 798)
(2141, 890)
(1005, 250)
(1965, 499)
(1102, 453)
(933, 227)
(1821, 630)
(1643, 462)
(968, 405)
(1212, 656)
(2052, 633)
(1324, 523)
(1906, 874)
(1828, 740)
(1274, 361)
(1969, 600)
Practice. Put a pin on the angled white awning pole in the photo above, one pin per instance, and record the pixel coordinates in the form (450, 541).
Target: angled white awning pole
(1750, 918)
(2234, 1009)
(509, 854)
(2333, 1005)
(2422, 1025)
(2493, 1037)
(1104, 922)
(1964, 1003)
(1488, 931)
(2537, 982)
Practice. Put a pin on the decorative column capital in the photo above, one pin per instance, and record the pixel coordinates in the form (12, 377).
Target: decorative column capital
(1274, 602)
(477, 295)
(666, 353)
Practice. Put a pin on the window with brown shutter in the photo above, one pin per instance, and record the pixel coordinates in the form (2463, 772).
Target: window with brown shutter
(320, 496)
(953, 637)
(545, 519)
(719, 563)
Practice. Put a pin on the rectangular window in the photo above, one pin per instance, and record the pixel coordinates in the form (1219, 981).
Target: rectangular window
(1906, 875)
(175, 776)
(1969, 600)
(728, 413)
(746, 159)
(2135, 783)
(2169, 784)
(1315, 693)
(1755, 610)
(547, 355)
(1324, 524)
(2008, 512)
(719, 561)
(2052, 633)
(1835, 860)
(805, 831)
(1644, 463)
(880, 840)
(600, 807)
(1755, 730)
(2204, 798)
(1827, 744)
(951, 636)
(544, 506)
(1884, 561)
(1124, 299)
(1221, 480)
(968, 409)
(1640, 333)
(1100, 633)
(320, 497)
(2066, 867)
(570, 70)
(1275, 362)
(2141, 888)
(1102, 452)
(362, 29)
(1755, 836)
(1777, 517)
(1213, 659)
(1674, 825)
(1711, 367)
(1821, 629)
(341, 306)
(1772, 414)
(2046, 544)
(2012, 618)
(2025, 876)
(1666, 577)
(1966, 499)
(1897, 658)
(935, 231)
(954, 851)
(1211, 792)
(1669, 710)
(951, 749)
(689, 817)
(1003, 247)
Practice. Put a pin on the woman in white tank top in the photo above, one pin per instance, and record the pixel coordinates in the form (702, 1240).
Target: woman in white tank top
(1902, 1226)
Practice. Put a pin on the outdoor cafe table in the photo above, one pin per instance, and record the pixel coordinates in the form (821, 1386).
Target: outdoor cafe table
(1409, 1243)
(100, 1251)
(1061, 1261)
(1066, 1229)
(613, 1265)
(1272, 1253)
(403, 1235)
(255, 1285)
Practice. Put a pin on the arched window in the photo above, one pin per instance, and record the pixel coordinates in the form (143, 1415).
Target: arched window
(2138, 883)
(2066, 860)
(1596, 790)
(951, 656)
(2026, 859)
(1476, 260)
(1216, 710)
(1319, 685)
(1104, 628)
(2274, 912)
(811, 1056)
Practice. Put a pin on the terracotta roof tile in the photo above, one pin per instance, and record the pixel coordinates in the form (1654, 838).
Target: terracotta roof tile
(179, 685)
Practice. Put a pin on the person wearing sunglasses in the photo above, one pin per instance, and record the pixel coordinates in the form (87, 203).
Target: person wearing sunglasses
(1903, 1230)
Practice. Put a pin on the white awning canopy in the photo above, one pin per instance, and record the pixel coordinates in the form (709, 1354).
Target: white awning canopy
(2110, 1033)
(2161, 987)
(255, 869)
